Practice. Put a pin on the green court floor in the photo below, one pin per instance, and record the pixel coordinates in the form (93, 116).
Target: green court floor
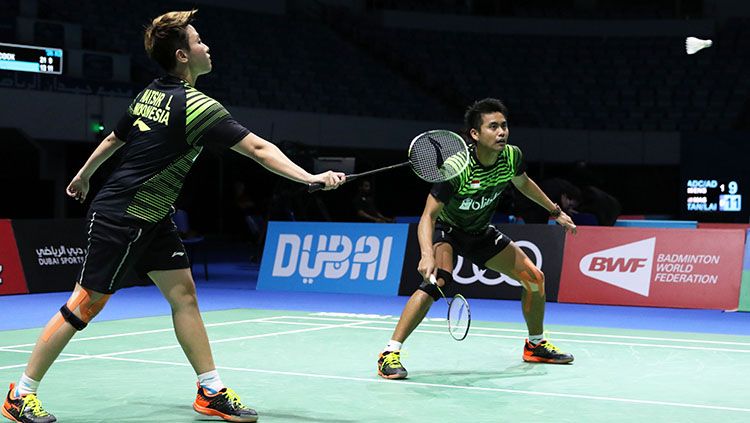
(320, 367)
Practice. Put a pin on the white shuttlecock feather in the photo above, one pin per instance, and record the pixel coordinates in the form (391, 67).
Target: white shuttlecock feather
(694, 45)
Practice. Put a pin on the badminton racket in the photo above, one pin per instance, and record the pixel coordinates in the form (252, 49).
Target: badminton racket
(435, 156)
(459, 314)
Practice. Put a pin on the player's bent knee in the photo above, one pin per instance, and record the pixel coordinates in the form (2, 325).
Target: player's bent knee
(445, 275)
(184, 301)
(532, 279)
(433, 290)
(81, 302)
(87, 308)
(430, 290)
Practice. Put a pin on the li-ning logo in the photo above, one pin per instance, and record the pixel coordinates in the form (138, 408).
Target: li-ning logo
(1, 271)
(470, 204)
(626, 266)
(335, 257)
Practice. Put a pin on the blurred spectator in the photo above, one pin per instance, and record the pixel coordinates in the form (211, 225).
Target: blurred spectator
(364, 205)
(595, 200)
(605, 207)
(585, 204)
(561, 191)
(246, 220)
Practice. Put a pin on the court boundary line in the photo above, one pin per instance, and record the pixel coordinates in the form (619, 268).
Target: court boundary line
(147, 332)
(595, 335)
(74, 357)
(115, 356)
(438, 385)
(575, 341)
(274, 319)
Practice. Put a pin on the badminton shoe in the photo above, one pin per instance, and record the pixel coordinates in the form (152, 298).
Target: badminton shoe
(545, 352)
(389, 365)
(25, 409)
(225, 404)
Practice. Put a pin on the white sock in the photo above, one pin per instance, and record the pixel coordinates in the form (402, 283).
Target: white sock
(26, 385)
(536, 339)
(393, 346)
(211, 381)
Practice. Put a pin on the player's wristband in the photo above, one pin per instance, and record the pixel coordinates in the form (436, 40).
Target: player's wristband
(556, 212)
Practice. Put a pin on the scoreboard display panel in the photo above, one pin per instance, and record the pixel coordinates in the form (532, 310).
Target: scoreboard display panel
(23, 58)
(715, 199)
(714, 177)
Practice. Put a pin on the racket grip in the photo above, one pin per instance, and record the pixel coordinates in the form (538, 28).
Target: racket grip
(433, 280)
(315, 186)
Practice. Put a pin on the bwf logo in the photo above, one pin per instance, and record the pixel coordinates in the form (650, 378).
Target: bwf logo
(626, 266)
(335, 257)
(620, 264)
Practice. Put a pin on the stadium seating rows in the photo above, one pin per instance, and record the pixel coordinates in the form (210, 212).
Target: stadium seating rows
(349, 66)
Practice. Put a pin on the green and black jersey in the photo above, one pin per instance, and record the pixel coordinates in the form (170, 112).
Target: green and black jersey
(164, 130)
(470, 199)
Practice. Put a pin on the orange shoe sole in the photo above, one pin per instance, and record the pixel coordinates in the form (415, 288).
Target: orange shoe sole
(211, 412)
(532, 359)
(7, 415)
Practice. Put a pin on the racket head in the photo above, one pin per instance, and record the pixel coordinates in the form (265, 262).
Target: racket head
(459, 317)
(438, 155)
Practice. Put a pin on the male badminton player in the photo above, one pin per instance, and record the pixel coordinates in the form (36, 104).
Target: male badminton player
(456, 220)
(130, 220)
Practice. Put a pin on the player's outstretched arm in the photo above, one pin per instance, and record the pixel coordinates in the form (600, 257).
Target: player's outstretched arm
(273, 159)
(79, 186)
(426, 227)
(530, 189)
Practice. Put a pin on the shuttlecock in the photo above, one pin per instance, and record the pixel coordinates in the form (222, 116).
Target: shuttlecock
(694, 45)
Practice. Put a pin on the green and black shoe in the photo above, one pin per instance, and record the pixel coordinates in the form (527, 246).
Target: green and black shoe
(389, 365)
(545, 352)
(25, 409)
(225, 404)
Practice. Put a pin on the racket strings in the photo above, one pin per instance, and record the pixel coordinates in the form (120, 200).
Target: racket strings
(459, 317)
(438, 156)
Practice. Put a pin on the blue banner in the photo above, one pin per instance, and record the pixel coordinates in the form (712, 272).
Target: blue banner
(363, 258)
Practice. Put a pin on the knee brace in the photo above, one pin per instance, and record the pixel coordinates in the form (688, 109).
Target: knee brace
(88, 309)
(433, 290)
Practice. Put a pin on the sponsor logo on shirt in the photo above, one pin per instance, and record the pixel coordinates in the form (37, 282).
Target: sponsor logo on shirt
(471, 204)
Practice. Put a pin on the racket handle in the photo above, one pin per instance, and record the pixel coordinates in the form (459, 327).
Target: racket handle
(315, 186)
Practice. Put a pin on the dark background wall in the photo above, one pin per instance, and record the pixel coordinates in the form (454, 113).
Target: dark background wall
(602, 83)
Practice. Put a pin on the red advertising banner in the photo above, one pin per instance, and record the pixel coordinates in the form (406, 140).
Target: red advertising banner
(12, 280)
(684, 268)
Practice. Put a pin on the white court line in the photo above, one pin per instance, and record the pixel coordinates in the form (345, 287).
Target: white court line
(593, 335)
(146, 332)
(274, 319)
(59, 360)
(168, 347)
(113, 356)
(444, 386)
(575, 341)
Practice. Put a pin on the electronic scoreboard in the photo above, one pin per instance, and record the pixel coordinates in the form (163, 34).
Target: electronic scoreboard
(717, 199)
(22, 58)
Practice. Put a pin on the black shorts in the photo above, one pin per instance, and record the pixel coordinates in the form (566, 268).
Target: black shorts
(115, 247)
(477, 248)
